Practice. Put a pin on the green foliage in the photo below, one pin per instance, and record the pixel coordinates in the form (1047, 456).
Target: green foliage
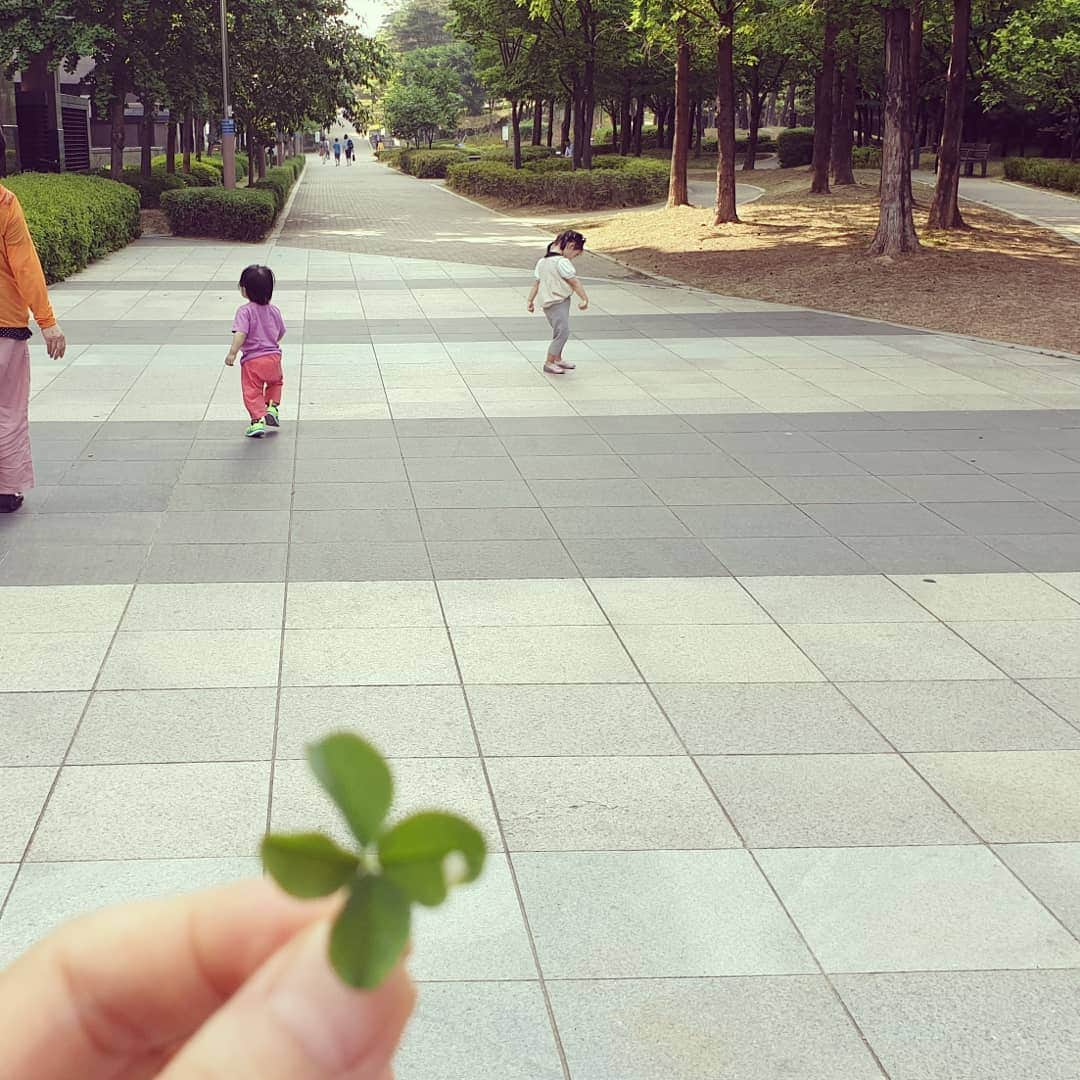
(417, 24)
(391, 157)
(1035, 62)
(241, 164)
(549, 164)
(278, 181)
(237, 214)
(75, 219)
(429, 164)
(203, 173)
(414, 861)
(446, 69)
(416, 113)
(506, 154)
(1046, 172)
(866, 157)
(617, 182)
(795, 146)
(150, 188)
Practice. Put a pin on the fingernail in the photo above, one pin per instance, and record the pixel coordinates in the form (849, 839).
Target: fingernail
(338, 1026)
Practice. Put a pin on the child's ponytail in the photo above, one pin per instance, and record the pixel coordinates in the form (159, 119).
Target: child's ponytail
(564, 238)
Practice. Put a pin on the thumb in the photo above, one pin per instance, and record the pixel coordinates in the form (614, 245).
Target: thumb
(296, 1020)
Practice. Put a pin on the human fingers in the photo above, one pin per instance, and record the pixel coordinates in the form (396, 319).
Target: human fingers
(296, 1020)
(111, 994)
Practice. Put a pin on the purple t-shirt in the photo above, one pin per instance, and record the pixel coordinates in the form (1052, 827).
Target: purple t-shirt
(262, 327)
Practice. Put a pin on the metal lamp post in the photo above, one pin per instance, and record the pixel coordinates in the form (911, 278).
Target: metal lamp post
(228, 124)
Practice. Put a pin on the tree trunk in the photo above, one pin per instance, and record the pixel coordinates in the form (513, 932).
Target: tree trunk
(790, 117)
(515, 123)
(170, 144)
(915, 46)
(896, 226)
(579, 127)
(589, 106)
(146, 140)
(567, 119)
(843, 124)
(116, 137)
(614, 128)
(725, 117)
(187, 130)
(823, 110)
(678, 194)
(698, 126)
(660, 115)
(756, 102)
(538, 122)
(625, 132)
(551, 122)
(945, 208)
(200, 138)
(770, 110)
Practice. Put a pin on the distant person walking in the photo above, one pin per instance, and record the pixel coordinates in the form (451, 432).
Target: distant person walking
(257, 332)
(349, 149)
(324, 150)
(337, 151)
(556, 279)
(22, 289)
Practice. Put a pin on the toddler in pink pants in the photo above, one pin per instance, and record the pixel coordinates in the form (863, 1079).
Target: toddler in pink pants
(257, 332)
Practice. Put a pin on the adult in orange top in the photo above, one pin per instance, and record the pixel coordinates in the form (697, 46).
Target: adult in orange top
(22, 290)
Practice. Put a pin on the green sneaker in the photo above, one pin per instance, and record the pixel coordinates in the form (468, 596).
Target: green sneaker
(272, 418)
(256, 429)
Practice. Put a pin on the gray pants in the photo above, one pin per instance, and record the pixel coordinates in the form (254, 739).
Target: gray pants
(559, 317)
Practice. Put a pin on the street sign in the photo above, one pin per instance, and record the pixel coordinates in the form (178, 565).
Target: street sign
(228, 127)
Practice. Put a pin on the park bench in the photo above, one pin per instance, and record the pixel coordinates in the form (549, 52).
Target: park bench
(971, 154)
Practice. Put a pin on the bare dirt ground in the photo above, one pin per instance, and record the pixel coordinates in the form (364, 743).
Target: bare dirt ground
(1003, 279)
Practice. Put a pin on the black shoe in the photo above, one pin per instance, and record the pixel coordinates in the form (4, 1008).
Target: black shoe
(10, 503)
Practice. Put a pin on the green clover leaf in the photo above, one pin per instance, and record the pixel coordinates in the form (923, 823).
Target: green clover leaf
(308, 864)
(355, 776)
(418, 855)
(371, 932)
(417, 860)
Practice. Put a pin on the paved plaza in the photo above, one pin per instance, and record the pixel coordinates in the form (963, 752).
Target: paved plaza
(753, 645)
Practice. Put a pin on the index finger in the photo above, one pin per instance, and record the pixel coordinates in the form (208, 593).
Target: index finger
(113, 993)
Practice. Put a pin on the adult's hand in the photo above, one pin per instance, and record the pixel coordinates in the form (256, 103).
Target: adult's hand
(55, 341)
(230, 983)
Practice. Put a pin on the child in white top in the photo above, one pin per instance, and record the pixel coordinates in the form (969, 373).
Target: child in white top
(556, 279)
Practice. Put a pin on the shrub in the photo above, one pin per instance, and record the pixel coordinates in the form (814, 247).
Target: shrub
(866, 157)
(74, 219)
(551, 164)
(203, 173)
(1046, 172)
(429, 164)
(148, 187)
(795, 147)
(506, 153)
(648, 136)
(239, 214)
(623, 182)
(279, 180)
(391, 157)
(241, 164)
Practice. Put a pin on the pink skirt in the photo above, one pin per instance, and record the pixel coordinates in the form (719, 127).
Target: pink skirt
(16, 468)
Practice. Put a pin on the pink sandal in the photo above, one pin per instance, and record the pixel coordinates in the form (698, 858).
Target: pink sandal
(555, 369)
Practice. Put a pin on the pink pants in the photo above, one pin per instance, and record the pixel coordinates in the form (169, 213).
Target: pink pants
(261, 381)
(16, 469)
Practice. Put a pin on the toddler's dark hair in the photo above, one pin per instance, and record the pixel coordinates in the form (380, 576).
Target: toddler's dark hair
(562, 240)
(258, 282)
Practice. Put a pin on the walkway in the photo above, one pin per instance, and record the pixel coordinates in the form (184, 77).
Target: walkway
(754, 647)
(1054, 210)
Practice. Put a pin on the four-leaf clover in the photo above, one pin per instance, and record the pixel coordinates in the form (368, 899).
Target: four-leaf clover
(418, 859)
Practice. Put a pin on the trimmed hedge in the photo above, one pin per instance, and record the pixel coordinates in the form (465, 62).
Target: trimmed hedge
(1045, 172)
(429, 164)
(150, 188)
(390, 157)
(551, 164)
(795, 146)
(240, 214)
(505, 154)
(621, 182)
(74, 219)
(237, 214)
(866, 157)
(203, 174)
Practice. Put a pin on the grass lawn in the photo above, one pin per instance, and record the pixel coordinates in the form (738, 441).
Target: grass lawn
(1003, 279)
